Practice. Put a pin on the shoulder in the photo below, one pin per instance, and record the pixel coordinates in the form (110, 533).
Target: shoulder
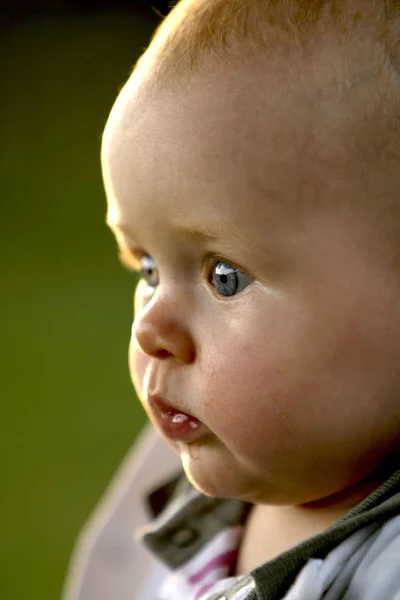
(376, 573)
(365, 566)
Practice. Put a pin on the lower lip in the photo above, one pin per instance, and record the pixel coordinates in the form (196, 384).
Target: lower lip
(175, 425)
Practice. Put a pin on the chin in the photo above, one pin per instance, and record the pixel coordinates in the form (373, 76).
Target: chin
(214, 477)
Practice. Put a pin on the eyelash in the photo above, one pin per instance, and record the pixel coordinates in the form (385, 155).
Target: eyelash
(210, 264)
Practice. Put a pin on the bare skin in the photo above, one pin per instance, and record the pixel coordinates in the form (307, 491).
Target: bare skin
(295, 378)
(271, 530)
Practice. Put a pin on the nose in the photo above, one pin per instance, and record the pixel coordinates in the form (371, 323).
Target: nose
(160, 330)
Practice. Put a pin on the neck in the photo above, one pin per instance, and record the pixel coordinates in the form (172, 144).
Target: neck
(271, 530)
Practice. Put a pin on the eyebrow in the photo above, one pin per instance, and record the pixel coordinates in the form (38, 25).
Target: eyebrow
(128, 258)
(207, 233)
(128, 254)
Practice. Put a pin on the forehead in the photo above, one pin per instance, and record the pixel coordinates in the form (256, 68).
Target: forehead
(225, 149)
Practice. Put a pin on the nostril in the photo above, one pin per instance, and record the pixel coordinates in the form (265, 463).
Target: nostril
(163, 353)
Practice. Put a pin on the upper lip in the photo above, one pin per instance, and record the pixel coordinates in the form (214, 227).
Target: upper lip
(165, 405)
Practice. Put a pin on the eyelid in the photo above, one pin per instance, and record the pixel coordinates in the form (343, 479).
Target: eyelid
(213, 259)
(131, 259)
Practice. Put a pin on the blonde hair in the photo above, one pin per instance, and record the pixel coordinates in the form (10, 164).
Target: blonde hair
(225, 30)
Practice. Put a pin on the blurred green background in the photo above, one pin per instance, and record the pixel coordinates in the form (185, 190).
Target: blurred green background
(69, 412)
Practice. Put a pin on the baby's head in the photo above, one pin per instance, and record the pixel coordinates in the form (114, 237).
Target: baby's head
(251, 165)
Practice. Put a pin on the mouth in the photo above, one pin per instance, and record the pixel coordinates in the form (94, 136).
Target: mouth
(175, 424)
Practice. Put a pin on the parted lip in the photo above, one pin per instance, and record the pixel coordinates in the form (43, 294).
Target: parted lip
(175, 424)
(164, 406)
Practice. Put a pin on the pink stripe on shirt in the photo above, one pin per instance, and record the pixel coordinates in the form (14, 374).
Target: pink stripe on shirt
(222, 560)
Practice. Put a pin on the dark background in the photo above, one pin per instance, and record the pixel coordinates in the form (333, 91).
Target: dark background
(68, 410)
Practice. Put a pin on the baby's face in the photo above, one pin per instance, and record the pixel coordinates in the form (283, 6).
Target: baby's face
(265, 313)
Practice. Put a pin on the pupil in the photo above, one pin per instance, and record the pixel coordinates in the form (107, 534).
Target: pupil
(224, 278)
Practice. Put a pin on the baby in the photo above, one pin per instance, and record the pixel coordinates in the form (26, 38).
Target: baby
(252, 171)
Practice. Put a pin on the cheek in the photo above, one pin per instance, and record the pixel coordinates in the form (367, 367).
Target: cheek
(260, 380)
(138, 360)
(138, 363)
(249, 390)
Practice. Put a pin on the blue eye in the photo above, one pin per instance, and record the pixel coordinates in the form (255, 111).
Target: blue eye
(148, 271)
(229, 281)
